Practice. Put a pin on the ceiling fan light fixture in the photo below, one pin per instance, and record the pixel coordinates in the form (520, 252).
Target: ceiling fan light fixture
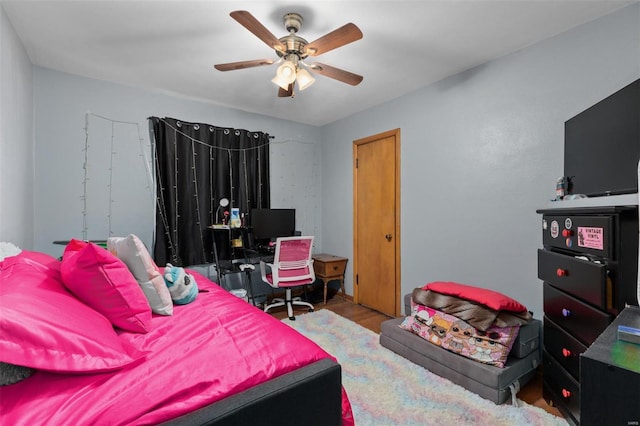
(293, 49)
(304, 79)
(285, 75)
(279, 83)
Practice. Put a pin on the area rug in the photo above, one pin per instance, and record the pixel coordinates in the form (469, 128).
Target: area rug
(386, 389)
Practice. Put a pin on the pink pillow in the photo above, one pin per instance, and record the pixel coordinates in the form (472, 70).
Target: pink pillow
(492, 299)
(43, 326)
(103, 282)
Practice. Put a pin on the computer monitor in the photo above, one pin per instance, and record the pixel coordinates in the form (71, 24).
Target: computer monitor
(268, 224)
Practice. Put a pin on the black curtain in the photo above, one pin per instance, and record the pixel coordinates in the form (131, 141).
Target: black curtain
(197, 164)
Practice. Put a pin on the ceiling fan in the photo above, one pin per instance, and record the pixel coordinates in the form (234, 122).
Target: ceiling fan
(293, 50)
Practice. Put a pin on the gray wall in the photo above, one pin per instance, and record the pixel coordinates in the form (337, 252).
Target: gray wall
(62, 102)
(16, 140)
(481, 151)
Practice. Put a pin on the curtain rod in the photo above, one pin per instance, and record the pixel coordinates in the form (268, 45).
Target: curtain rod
(250, 131)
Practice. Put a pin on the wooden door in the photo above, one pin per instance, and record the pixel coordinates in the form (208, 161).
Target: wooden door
(377, 222)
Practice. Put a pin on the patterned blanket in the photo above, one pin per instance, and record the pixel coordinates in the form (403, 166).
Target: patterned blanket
(490, 346)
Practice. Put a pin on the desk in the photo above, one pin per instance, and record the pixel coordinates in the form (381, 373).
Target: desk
(232, 254)
(101, 243)
(328, 267)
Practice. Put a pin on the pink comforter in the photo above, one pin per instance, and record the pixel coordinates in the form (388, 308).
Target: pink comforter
(212, 348)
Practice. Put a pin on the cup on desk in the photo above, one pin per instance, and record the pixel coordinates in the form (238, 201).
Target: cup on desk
(235, 217)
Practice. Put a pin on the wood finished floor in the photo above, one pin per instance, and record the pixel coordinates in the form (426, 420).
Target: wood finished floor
(531, 393)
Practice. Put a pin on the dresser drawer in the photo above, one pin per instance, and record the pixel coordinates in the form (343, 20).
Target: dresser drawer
(561, 388)
(583, 234)
(328, 265)
(583, 321)
(563, 347)
(581, 278)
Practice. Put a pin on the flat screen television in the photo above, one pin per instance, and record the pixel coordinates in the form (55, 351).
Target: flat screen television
(602, 145)
(268, 224)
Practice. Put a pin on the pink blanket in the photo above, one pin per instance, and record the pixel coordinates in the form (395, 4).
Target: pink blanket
(212, 348)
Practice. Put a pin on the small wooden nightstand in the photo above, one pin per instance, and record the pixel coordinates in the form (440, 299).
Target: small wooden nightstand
(328, 268)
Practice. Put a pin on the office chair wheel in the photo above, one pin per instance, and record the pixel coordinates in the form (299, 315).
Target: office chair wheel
(292, 318)
(310, 309)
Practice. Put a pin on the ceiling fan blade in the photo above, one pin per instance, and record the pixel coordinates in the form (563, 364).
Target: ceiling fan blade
(346, 34)
(286, 93)
(243, 64)
(252, 24)
(336, 73)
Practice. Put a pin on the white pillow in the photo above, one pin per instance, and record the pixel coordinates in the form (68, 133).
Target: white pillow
(135, 255)
(8, 250)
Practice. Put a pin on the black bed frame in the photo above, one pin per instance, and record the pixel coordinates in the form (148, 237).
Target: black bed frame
(311, 395)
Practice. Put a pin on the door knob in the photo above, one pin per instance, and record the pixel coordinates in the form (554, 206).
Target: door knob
(388, 237)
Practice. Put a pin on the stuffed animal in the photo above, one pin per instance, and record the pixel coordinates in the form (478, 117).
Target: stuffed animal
(182, 286)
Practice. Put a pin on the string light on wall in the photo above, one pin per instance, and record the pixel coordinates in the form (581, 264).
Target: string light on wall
(106, 172)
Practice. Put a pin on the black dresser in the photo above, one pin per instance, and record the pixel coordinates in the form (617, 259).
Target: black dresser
(589, 270)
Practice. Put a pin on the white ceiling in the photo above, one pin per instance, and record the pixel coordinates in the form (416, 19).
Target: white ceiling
(171, 46)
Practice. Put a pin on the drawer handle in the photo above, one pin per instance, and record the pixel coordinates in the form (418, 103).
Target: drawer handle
(566, 393)
(562, 272)
(566, 312)
(566, 352)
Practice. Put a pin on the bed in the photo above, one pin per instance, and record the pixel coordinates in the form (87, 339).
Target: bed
(215, 360)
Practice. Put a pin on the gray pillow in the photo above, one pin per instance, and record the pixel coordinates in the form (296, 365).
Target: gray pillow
(10, 374)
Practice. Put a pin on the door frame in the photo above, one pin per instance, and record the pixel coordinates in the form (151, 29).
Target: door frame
(356, 143)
